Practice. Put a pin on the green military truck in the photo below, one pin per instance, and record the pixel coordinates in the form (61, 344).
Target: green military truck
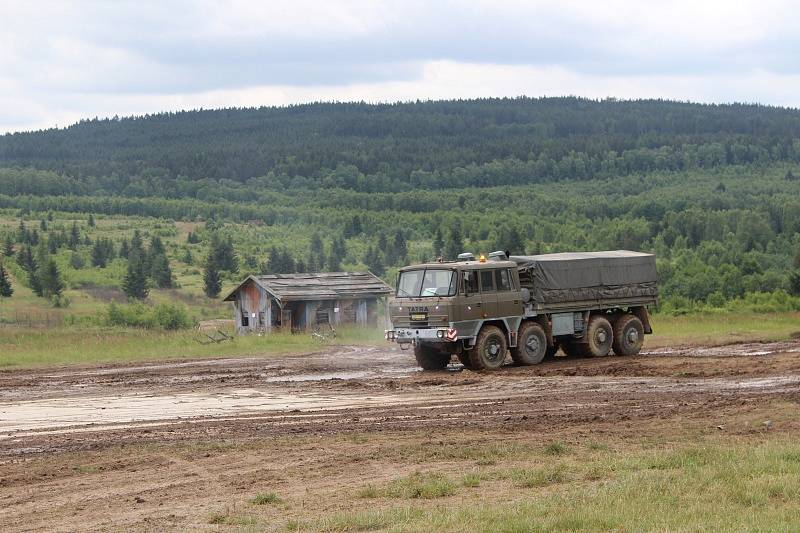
(585, 303)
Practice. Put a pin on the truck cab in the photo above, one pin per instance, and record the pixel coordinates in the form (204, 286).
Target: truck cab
(442, 307)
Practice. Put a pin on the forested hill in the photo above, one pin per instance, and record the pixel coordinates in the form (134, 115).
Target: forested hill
(395, 147)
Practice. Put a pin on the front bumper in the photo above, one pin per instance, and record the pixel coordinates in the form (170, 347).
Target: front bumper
(409, 335)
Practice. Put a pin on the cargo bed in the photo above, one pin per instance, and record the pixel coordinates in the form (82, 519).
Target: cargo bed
(588, 280)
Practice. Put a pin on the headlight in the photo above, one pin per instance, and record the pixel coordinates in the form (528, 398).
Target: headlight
(440, 333)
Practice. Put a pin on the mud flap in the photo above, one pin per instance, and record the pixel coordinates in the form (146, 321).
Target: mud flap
(642, 314)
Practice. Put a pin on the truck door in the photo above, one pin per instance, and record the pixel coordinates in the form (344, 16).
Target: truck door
(488, 293)
(509, 302)
(470, 301)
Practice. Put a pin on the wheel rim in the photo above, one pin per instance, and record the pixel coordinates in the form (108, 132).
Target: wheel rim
(532, 345)
(632, 336)
(493, 349)
(601, 336)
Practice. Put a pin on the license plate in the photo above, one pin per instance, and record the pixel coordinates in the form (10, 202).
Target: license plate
(419, 317)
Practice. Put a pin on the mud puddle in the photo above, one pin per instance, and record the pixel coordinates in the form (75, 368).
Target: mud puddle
(43, 415)
(756, 349)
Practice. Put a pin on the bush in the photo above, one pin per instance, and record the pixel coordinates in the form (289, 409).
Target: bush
(169, 316)
(138, 315)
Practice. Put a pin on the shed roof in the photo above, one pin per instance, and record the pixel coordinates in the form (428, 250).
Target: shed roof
(318, 286)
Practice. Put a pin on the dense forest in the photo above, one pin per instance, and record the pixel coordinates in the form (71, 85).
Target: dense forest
(397, 147)
(714, 190)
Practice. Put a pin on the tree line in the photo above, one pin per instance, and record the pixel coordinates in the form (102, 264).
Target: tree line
(393, 147)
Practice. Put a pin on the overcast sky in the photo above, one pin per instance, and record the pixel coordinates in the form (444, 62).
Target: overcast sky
(61, 61)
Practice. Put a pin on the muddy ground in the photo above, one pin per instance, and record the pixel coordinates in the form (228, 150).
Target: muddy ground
(160, 446)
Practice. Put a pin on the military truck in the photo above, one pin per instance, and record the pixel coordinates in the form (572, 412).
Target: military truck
(585, 303)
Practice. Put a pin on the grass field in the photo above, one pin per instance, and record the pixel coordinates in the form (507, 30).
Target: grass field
(709, 484)
(722, 328)
(25, 347)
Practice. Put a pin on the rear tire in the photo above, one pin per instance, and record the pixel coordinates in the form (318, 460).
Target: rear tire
(628, 335)
(490, 349)
(429, 358)
(599, 336)
(531, 346)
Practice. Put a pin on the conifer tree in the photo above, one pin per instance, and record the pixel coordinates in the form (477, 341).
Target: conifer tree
(374, 261)
(124, 249)
(455, 243)
(8, 247)
(76, 261)
(338, 251)
(74, 237)
(91, 220)
(50, 279)
(99, 258)
(22, 233)
(399, 249)
(135, 282)
(5, 283)
(438, 243)
(136, 243)
(161, 272)
(316, 254)
(212, 284)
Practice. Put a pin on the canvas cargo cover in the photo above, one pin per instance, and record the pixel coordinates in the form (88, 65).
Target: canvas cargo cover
(580, 276)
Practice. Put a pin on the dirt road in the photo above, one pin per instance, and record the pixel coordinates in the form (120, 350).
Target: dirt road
(371, 389)
(186, 445)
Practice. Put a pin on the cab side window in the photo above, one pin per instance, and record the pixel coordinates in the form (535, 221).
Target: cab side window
(503, 279)
(470, 282)
(487, 280)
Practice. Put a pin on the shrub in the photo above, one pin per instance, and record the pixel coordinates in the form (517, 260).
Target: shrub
(138, 315)
(172, 317)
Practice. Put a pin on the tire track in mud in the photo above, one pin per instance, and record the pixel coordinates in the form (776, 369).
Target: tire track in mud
(328, 392)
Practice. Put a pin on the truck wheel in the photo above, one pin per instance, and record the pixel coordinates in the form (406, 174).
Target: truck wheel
(599, 336)
(531, 345)
(628, 335)
(429, 358)
(490, 349)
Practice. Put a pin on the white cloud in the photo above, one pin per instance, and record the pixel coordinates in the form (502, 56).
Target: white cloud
(62, 61)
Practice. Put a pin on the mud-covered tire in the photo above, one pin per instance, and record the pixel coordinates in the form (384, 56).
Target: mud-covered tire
(531, 346)
(489, 352)
(628, 335)
(599, 337)
(429, 358)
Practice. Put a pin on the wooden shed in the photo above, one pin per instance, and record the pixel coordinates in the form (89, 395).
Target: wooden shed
(302, 301)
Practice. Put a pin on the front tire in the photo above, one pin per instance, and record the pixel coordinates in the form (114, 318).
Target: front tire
(429, 358)
(490, 349)
(628, 335)
(531, 346)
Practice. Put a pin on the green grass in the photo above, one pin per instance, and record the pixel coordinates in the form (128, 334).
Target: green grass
(417, 485)
(23, 347)
(722, 328)
(266, 498)
(725, 484)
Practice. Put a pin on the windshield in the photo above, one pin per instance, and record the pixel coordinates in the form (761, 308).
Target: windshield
(427, 282)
